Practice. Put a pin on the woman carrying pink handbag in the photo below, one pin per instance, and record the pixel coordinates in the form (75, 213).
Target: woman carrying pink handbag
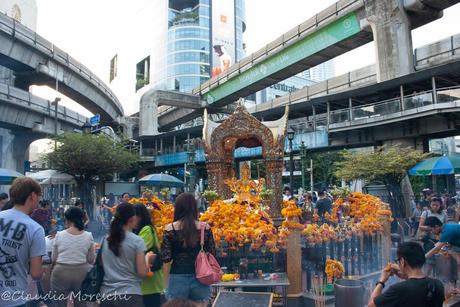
(181, 245)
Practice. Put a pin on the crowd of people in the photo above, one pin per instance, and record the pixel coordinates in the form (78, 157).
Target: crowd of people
(42, 266)
(131, 255)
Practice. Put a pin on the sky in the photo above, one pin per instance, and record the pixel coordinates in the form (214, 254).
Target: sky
(89, 29)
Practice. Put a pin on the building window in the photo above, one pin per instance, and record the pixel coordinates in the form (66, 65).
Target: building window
(16, 13)
(143, 73)
(113, 67)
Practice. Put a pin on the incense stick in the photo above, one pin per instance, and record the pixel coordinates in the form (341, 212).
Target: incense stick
(319, 291)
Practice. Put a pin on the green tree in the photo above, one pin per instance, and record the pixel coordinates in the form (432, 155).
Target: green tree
(324, 168)
(89, 157)
(385, 165)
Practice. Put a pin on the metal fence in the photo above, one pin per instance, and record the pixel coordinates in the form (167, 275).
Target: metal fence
(360, 255)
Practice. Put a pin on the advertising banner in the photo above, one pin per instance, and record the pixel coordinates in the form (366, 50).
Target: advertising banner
(223, 35)
(331, 34)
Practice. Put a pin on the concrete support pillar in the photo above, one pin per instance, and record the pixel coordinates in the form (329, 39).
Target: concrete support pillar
(392, 36)
(328, 119)
(401, 93)
(174, 144)
(148, 115)
(350, 108)
(435, 91)
(314, 117)
(14, 149)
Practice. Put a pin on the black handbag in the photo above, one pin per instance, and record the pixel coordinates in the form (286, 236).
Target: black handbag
(157, 263)
(91, 285)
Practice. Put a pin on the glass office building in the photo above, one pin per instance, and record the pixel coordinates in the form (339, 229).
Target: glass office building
(182, 44)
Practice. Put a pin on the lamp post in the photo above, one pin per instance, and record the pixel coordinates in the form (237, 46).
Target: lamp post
(191, 165)
(303, 161)
(290, 136)
(56, 103)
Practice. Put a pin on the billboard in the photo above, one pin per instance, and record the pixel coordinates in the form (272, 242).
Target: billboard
(223, 35)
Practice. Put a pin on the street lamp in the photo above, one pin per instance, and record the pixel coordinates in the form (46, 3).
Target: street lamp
(303, 161)
(290, 136)
(191, 165)
(56, 103)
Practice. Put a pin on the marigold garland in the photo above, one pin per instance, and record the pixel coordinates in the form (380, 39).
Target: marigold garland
(239, 223)
(161, 213)
(334, 270)
(291, 213)
(358, 213)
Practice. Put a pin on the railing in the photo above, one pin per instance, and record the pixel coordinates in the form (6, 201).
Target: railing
(395, 105)
(27, 100)
(448, 94)
(339, 116)
(378, 109)
(360, 255)
(338, 9)
(437, 51)
(418, 100)
(31, 38)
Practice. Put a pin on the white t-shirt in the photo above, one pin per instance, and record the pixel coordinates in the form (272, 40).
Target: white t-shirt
(72, 249)
(20, 239)
(441, 216)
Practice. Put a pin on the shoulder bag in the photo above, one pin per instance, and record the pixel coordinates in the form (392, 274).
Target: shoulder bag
(91, 285)
(157, 263)
(207, 269)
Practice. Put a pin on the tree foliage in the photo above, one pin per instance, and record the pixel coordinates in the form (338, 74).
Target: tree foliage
(325, 168)
(89, 156)
(385, 165)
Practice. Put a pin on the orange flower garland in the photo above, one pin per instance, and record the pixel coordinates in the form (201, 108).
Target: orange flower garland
(240, 223)
(161, 213)
(358, 213)
(291, 213)
(334, 270)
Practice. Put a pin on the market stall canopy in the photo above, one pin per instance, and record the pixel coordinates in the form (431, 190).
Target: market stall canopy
(445, 165)
(161, 180)
(51, 176)
(7, 176)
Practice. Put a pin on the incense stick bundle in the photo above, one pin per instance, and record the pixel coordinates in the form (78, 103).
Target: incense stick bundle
(318, 289)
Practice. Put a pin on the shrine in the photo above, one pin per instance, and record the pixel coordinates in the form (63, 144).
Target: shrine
(241, 129)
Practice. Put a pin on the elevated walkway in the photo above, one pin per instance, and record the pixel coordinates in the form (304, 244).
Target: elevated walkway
(37, 61)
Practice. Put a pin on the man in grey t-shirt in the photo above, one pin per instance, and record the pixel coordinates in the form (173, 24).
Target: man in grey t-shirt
(22, 243)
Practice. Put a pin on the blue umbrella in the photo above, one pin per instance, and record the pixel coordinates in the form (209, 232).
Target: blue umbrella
(7, 176)
(161, 180)
(445, 165)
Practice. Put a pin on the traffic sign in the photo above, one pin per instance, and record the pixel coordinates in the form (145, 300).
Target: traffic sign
(95, 120)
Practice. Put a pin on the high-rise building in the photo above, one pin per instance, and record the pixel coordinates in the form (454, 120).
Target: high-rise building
(175, 45)
(321, 72)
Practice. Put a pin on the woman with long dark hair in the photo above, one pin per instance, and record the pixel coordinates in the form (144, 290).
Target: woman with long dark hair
(72, 255)
(124, 261)
(151, 287)
(425, 234)
(181, 245)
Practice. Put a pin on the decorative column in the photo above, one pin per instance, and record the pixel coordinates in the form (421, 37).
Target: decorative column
(274, 180)
(215, 179)
(294, 263)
